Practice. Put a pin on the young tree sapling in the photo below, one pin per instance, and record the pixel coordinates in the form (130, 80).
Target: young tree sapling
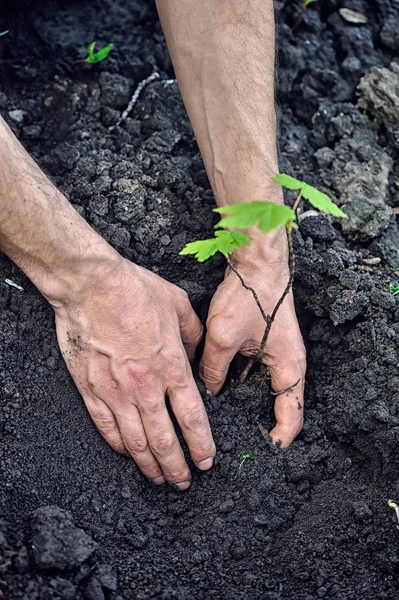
(267, 216)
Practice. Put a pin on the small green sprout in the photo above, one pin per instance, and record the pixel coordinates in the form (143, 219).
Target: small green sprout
(306, 3)
(4, 32)
(244, 458)
(394, 289)
(95, 57)
(267, 216)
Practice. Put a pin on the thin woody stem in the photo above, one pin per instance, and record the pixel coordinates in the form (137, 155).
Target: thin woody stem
(297, 201)
(270, 319)
(299, 19)
(249, 288)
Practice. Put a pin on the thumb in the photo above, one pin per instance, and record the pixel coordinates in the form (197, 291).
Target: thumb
(215, 361)
(288, 407)
(191, 329)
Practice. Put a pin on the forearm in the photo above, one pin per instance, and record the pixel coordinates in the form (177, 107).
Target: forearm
(40, 231)
(223, 55)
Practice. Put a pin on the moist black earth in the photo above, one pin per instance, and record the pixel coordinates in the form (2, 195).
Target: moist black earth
(311, 521)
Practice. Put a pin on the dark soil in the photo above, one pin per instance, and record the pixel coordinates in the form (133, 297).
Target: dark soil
(312, 521)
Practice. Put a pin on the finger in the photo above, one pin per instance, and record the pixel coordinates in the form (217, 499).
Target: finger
(215, 361)
(191, 329)
(191, 415)
(135, 440)
(288, 407)
(106, 423)
(163, 441)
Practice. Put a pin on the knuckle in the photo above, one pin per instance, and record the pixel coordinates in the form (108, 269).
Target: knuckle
(140, 374)
(137, 445)
(104, 423)
(150, 407)
(175, 368)
(205, 451)
(119, 447)
(211, 374)
(221, 341)
(194, 418)
(163, 445)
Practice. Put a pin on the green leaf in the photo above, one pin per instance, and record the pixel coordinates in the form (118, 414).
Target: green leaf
(316, 198)
(224, 242)
(95, 57)
(321, 201)
(307, 2)
(4, 32)
(288, 182)
(90, 49)
(394, 289)
(267, 215)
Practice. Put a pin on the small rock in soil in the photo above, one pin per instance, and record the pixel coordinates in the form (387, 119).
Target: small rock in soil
(57, 543)
(379, 93)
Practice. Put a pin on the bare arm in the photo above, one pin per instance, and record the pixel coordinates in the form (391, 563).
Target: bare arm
(223, 55)
(126, 335)
(39, 229)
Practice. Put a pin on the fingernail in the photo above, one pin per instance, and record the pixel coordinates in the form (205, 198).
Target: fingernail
(158, 480)
(206, 464)
(183, 485)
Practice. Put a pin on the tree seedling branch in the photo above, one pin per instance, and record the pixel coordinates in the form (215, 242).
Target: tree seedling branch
(267, 216)
(304, 6)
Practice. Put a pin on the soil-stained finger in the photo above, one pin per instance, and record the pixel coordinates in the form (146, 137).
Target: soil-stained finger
(288, 406)
(163, 442)
(135, 440)
(190, 412)
(106, 423)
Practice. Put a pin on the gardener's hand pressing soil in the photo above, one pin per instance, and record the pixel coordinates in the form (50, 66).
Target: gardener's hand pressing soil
(125, 333)
(126, 342)
(235, 325)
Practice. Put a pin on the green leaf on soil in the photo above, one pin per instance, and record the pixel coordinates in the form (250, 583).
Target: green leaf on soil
(95, 57)
(266, 215)
(224, 242)
(394, 289)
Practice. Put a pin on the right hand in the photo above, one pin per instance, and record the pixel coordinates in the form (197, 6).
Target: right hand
(127, 340)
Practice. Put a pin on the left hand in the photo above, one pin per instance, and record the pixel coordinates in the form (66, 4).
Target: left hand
(235, 325)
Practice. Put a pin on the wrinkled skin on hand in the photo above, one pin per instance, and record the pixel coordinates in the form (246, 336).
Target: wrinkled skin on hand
(127, 344)
(235, 325)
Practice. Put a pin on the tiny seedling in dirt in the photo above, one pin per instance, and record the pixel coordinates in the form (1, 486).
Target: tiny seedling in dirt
(267, 216)
(394, 507)
(394, 289)
(4, 32)
(244, 457)
(95, 57)
(304, 6)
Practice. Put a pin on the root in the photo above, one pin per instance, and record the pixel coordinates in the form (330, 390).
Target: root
(287, 389)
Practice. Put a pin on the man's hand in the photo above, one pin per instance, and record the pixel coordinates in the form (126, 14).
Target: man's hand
(125, 333)
(235, 325)
(223, 55)
(127, 344)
